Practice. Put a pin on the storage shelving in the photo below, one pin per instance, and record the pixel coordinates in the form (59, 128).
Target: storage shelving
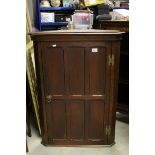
(54, 24)
(51, 25)
(56, 8)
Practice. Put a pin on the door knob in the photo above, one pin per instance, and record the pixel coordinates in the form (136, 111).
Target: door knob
(49, 98)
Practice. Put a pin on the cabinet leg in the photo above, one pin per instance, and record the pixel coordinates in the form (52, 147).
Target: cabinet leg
(27, 150)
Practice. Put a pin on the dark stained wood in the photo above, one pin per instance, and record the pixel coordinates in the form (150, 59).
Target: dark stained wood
(96, 70)
(114, 25)
(75, 65)
(96, 121)
(123, 85)
(77, 120)
(56, 37)
(41, 98)
(54, 83)
(79, 97)
(56, 120)
(27, 150)
(77, 87)
(28, 107)
(113, 90)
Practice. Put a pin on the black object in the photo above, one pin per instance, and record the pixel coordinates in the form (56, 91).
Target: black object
(61, 17)
(104, 17)
(103, 9)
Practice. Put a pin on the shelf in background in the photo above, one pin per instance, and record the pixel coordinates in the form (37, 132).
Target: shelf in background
(54, 24)
(56, 9)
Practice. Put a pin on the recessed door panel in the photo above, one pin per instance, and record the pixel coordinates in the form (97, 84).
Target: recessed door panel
(77, 119)
(75, 70)
(96, 70)
(96, 120)
(56, 119)
(53, 69)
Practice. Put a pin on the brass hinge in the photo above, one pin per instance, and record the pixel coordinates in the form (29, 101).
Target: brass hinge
(111, 60)
(108, 130)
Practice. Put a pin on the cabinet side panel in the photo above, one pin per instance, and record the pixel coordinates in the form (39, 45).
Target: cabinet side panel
(75, 65)
(114, 90)
(53, 68)
(42, 112)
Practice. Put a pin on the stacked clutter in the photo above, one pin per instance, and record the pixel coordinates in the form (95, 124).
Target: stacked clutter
(44, 3)
(103, 12)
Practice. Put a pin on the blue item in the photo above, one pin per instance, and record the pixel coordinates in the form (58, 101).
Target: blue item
(56, 8)
(54, 24)
(122, 7)
(40, 26)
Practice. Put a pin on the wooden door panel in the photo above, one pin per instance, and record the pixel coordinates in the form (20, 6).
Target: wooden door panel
(96, 68)
(53, 69)
(76, 78)
(95, 119)
(56, 120)
(75, 68)
(77, 119)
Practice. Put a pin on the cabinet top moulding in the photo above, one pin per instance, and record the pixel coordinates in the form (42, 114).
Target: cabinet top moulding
(78, 35)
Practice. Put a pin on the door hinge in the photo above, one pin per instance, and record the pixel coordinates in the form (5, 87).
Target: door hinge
(111, 60)
(108, 130)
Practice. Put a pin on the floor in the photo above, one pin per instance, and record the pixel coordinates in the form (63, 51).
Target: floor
(120, 148)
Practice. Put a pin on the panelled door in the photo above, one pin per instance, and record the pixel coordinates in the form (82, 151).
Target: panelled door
(76, 81)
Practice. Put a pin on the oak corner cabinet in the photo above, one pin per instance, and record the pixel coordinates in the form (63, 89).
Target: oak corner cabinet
(77, 75)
